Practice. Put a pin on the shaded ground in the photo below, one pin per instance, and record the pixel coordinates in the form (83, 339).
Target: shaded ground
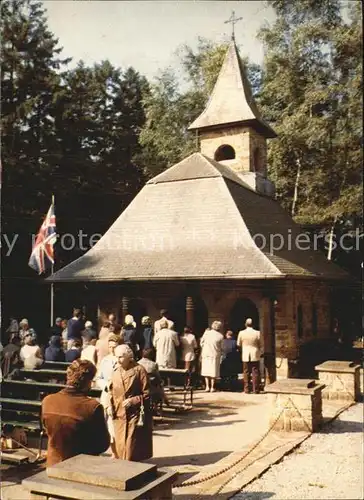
(219, 423)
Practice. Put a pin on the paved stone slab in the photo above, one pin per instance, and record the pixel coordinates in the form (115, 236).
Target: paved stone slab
(264, 454)
(47, 487)
(104, 471)
(338, 366)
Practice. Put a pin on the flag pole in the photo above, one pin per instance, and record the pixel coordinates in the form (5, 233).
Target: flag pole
(52, 285)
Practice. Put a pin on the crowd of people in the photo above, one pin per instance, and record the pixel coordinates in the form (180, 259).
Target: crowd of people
(123, 361)
(213, 356)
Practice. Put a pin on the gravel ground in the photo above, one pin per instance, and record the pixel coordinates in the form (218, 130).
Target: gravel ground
(328, 465)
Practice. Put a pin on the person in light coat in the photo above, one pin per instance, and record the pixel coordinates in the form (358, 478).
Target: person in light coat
(211, 345)
(157, 324)
(249, 342)
(165, 342)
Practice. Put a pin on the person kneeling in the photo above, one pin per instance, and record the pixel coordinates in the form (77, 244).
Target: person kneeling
(73, 421)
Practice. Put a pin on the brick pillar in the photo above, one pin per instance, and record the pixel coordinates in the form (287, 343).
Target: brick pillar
(190, 320)
(267, 341)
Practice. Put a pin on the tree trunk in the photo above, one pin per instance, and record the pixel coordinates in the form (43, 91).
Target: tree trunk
(331, 239)
(295, 195)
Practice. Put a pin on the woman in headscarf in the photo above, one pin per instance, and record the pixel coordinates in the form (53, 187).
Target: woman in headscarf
(54, 352)
(147, 334)
(130, 333)
(130, 403)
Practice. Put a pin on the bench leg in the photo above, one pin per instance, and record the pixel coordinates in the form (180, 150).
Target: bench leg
(40, 445)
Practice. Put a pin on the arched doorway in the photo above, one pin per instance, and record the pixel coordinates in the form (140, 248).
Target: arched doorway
(241, 311)
(177, 313)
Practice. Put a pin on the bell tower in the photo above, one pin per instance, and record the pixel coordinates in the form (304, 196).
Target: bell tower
(231, 129)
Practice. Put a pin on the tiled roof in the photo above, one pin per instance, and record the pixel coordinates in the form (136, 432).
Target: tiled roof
(197, 220)
(232, 101)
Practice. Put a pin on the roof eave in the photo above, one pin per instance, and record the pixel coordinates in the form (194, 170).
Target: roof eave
(260, 126)
(163, 278)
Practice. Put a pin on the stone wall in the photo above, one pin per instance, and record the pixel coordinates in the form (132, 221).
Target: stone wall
(308, 294)
(341, 379)
(304, 293)
(293, 408)
(245, 142)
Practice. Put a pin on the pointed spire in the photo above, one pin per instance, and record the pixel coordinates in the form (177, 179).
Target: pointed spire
(231, 101)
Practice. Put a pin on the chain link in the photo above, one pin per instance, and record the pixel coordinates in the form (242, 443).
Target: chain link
(228, 467)
(234, 464)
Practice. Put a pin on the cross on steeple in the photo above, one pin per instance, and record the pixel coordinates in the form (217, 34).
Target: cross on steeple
(233, 20)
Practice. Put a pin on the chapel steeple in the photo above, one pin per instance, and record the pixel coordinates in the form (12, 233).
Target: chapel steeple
(231, 129)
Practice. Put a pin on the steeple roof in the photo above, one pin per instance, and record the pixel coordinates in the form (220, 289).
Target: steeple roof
(232, 101)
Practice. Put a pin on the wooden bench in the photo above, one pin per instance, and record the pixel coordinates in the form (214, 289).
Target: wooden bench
(173, 374)
(44, 374)
(55, 365)
(42, 387)
(25, 413)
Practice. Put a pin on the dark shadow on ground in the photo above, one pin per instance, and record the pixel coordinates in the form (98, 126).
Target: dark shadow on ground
(341, 426)
(16, 473)
(199, 460)
(254, 495)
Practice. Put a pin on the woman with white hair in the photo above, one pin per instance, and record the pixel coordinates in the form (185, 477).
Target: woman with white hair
(211, 345)
(130, 404)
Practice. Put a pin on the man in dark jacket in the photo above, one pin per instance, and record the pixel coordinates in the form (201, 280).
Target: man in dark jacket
(74, 422)
(75, 326)
(54, 351)
(57, 328)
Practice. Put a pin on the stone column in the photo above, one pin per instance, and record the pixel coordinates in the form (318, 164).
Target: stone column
(267, 341)
(190, 320)
(296, 405)
(342, 380)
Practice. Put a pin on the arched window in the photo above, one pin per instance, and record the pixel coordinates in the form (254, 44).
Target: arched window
(314, 320)
(225, 152)
(299, 321)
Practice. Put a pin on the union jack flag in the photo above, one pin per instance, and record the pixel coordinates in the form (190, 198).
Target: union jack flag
(42, 252)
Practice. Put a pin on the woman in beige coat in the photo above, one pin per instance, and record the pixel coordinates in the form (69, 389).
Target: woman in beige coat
(130, 397)
(211, 345)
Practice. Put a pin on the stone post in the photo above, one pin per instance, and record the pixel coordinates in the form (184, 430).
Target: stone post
(268, 341)
(342, 380)
(296, 405)
(190, 320)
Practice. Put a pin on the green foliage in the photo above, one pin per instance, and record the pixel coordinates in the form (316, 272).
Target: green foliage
(312, 94)
(171, 106)
(71, 133)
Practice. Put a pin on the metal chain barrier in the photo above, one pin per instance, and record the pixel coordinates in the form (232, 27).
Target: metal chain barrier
(234, 464)
(228, 467)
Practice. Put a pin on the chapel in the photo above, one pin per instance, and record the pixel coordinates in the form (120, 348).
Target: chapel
(207, 240)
